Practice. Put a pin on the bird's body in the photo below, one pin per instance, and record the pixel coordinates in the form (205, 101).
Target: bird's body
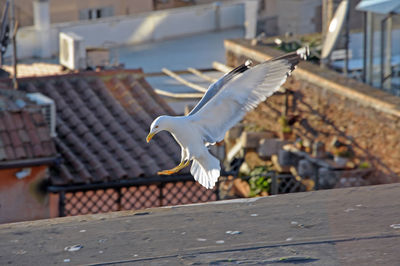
(192, 140)
(223, 105)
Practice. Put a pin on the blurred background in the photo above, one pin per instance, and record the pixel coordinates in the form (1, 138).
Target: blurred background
(81, 82)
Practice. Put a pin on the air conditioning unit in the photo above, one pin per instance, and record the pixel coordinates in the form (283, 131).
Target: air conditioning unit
(48, 109)
(72, 51)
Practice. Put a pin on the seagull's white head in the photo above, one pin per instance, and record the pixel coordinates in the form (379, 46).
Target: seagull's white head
(159, 124)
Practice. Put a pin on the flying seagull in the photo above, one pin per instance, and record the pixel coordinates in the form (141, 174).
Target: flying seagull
(223, 105)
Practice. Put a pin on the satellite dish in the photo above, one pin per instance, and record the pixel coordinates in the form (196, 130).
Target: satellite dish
(335, 27)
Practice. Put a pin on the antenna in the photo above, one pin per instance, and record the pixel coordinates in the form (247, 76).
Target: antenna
(335, 27)
(4, 32)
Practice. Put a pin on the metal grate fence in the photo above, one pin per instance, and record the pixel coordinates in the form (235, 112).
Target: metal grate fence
(147, 193)
(133, 196)
(285, 183)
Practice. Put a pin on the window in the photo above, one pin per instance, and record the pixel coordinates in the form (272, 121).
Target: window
(95, 13)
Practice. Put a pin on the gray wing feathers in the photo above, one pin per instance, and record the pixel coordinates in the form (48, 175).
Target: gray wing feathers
(241, 95)
(217, 86)
(276, 75)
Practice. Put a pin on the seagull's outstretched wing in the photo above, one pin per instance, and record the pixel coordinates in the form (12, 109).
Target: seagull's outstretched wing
(216, 86)
(242, 94)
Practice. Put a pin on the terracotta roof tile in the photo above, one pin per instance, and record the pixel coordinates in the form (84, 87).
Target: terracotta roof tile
(28, 123)
(29, 150)
(38, 119)
(33, 136)
(37, 150)
(43, 133)
(15, 140)
(81, 129)
(8, 121)
(20, 152)
(5, 138)
(2, 124)
(102, 126)
(23, 135)
(18, 123)
(64, 176)
(48, 147)
(77, 166)
(3, 154)
(10, 153)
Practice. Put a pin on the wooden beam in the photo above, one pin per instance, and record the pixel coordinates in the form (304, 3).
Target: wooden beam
(179, 95)
(179, 72)
(201, 74)
(183, 81)
(221, 67)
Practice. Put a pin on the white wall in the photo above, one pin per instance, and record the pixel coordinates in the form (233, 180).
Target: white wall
(140, 28)
(296, 16)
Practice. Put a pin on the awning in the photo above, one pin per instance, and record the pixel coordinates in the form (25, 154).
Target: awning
(379, 6)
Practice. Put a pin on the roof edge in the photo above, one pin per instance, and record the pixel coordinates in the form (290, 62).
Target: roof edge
(30, 162)
(102, 73)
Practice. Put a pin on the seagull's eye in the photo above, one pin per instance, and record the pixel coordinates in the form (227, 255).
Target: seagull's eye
(156, 126)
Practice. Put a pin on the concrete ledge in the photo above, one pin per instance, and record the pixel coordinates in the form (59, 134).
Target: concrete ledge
(355, 226)
(352, 89)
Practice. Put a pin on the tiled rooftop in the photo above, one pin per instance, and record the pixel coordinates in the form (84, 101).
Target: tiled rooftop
(102, 122)
(24, 134)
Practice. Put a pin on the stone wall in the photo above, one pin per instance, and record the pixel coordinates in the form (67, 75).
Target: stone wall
(327, 105)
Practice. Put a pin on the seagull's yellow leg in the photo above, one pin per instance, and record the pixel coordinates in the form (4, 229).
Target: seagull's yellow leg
(175, 169)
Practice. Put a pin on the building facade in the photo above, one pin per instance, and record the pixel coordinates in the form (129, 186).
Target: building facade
(26, 153)
(74, 10)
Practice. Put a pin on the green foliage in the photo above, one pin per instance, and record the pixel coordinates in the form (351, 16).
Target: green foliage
(313, 41)
(287, 129)
(364, 165)
(259, 181)
(252, 127)
(289, 46)
(283, 121)
(284, 125)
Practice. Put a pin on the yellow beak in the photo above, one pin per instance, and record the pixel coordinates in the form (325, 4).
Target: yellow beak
(149, 137)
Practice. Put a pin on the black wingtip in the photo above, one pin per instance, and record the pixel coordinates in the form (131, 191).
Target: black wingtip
(294, 58)
(303, 52)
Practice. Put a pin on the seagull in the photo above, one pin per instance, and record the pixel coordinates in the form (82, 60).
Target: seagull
(223, 105)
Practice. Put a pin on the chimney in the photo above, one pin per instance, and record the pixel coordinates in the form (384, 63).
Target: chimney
(41, 19)
(41, 14)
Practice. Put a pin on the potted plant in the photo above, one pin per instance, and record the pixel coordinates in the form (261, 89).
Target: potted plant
(260, 182)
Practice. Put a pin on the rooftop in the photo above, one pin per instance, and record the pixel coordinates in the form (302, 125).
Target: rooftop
(35, 69)
(353, 226)
(102, 123)
(197, 51)
(24, 133)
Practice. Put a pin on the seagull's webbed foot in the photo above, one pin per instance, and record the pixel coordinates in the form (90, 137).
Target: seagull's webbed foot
(175, 169)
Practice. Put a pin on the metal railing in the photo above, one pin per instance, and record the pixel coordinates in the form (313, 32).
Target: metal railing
(142, 193)
(132, 194)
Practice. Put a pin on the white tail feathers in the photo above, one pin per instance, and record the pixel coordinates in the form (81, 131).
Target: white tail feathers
(206, 170)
